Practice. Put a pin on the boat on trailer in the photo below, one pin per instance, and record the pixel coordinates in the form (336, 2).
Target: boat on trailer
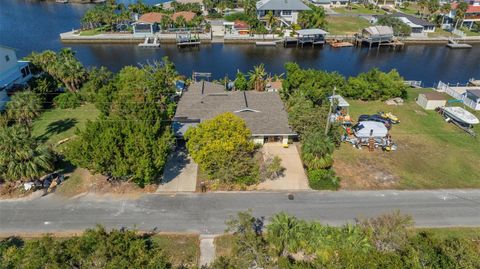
(460, 115)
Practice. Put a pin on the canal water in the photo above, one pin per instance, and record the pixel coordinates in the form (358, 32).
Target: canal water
(30, 25)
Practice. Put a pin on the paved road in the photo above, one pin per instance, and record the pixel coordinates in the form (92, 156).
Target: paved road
(206, 213)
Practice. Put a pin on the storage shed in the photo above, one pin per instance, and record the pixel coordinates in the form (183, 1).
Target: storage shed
(431, 100)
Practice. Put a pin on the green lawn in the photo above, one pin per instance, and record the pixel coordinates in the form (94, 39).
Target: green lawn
(453, 232)
(183, 249)
(471, 33)
(431, 153)
(412, 9)
(346, 25)
(358, 9)
(439, 32)
(91, 32)
(57, 124)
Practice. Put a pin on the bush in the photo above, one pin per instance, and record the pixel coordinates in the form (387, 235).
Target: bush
(67, 100)
(323, 179)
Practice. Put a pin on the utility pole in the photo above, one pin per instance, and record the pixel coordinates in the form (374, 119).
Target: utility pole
(327, 126)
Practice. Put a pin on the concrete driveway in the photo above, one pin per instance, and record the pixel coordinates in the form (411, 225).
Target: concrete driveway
(294, 177)
(180, 173)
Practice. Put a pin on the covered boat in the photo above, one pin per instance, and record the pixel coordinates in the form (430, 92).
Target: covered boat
(367, 129)
(460, 115)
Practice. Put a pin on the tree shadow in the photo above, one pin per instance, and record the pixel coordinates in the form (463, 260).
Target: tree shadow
(177, 161)
(58, 127)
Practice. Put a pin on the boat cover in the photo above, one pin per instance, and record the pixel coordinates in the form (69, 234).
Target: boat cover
(363, 129)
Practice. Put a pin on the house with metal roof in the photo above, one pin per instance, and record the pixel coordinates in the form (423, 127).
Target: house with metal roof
(12, 72)
(286, 10)
(263, 112)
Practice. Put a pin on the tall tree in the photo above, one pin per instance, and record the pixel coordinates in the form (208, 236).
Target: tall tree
(460, 13)
(313, 18)
(445, 9)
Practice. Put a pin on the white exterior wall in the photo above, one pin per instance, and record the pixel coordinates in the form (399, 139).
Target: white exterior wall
(429, 104)
(258, 140)
(11, 63)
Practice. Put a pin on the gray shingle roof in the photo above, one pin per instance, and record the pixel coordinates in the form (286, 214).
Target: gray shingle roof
(281, 5)
(413, 19)
(263, 112)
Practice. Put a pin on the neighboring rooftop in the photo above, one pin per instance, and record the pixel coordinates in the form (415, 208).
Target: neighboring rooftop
(379, 30)
(281, 5)
(475, 92)
(413, 19)
(187, 15)
(151, 17)
(263, 112)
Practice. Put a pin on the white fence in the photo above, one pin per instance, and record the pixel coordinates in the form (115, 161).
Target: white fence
(443, 87)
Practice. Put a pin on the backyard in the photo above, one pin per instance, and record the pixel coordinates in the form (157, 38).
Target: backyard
(431, 153)
(346, 25)
(58, 124)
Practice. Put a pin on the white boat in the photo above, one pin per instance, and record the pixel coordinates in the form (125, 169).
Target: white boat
(461, 115)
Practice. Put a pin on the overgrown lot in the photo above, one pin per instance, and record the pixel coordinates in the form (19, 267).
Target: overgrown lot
(431, 153)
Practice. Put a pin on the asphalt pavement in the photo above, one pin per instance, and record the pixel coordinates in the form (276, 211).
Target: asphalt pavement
(206, 213)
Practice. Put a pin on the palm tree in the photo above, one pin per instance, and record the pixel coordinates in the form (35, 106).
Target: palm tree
(180, 22)
(69, 70)
(460, 12)
(21, 157)
(283, 232)
(422, 4)
(445, 9)
(317, 151)
(271, 20)
(166, 22)
(257, 77)
(24, 107)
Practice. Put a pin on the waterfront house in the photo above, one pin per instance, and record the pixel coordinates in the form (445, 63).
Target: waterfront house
(237, 27)
(431, 100)
(12, 72)
(285, 10)
(149, 23)
(418, 26)
(472, 14)
(263, 112)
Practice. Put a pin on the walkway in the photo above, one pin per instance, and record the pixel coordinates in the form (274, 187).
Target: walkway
(206, 213)
(180, 173)
(207, 249)
(294, 177)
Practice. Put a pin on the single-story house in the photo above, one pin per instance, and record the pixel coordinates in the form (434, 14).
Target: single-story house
(263, 112)
(431, 100)
(471, 98)
(285, 10)
(12, 71)
(149, 23)
(417, 25)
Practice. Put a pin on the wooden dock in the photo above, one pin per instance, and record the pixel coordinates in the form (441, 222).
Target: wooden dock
(379, 42)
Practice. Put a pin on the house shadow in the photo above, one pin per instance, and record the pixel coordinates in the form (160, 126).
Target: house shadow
(58, 127)
(177, 161)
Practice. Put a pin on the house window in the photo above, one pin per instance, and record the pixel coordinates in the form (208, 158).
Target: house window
(7, 58)
(25, 71)
(286, 12)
